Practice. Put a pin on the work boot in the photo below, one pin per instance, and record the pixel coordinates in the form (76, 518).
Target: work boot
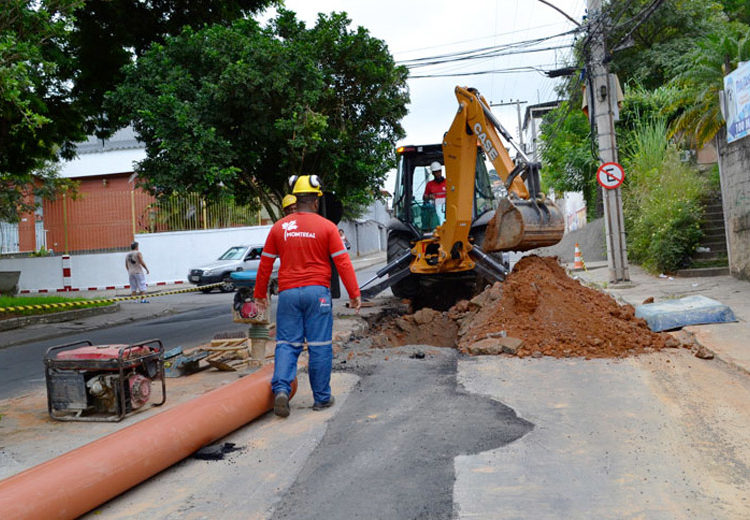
(322, 406)
(281, 404)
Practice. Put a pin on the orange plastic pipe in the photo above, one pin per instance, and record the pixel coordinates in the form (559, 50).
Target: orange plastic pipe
(78, 481)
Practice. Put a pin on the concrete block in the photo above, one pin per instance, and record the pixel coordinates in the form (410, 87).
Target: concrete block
(9, 282)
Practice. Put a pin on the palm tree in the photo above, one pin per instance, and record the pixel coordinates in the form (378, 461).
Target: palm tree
(701, 77)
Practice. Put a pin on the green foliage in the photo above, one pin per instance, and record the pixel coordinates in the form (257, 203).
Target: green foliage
(661, 40)
(239, 109)
(642, 104)
(107, 34)
(567, 157)
(43, 251)
(701, 77)
(57, 59)
(34, 109)
(738, 10)
(661, 200)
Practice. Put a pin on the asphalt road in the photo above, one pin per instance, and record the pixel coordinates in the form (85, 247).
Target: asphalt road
(201, 317)
(661, 436)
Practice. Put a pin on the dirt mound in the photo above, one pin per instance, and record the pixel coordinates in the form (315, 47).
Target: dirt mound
(538, 311)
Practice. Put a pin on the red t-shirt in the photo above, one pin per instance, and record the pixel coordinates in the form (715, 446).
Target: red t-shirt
(304, 242)
(435, 188)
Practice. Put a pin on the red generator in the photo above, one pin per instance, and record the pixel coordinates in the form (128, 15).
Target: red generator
(87, 382)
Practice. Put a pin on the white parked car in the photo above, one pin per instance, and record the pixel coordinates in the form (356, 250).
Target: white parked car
(236, 258)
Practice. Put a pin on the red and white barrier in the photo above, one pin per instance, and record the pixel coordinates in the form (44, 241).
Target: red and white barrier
(67, 283)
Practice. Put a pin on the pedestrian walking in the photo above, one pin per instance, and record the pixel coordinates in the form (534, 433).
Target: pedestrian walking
(344, 239)
(135, 265)
(304, 242)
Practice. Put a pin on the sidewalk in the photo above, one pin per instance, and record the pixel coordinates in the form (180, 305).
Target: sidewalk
(728, 341)
(131, 310)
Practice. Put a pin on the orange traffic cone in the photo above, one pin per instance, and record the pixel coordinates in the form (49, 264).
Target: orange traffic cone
(578, 264)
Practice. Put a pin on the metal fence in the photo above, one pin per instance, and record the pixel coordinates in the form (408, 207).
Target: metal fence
(191, 212)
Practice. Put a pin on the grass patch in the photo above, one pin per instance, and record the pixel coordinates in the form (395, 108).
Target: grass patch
(16, 301)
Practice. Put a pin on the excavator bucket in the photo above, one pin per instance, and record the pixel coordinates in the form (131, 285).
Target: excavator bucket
(520, 225)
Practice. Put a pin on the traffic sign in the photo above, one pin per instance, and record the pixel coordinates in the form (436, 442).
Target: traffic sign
(610, 175)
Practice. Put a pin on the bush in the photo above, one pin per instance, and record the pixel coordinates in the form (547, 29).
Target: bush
(661, 201)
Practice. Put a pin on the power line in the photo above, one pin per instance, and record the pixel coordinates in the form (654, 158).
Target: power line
(480, 52)
(489, 55)
(510, 70)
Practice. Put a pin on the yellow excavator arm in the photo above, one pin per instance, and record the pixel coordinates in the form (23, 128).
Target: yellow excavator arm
(524, 220)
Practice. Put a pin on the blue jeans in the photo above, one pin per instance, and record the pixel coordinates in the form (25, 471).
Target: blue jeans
(304, 313)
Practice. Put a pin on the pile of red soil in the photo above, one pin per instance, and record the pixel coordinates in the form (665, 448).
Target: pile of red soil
(540, 305)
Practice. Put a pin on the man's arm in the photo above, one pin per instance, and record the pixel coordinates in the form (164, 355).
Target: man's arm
(346, 271)
(140, 259)
(267, 258)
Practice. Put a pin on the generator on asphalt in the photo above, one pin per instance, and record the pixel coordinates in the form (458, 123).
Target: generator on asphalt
(87, 382)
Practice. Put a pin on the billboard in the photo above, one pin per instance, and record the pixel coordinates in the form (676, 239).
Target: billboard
(737, 102)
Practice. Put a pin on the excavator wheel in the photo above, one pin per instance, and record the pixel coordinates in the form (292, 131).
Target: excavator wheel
(409, 286)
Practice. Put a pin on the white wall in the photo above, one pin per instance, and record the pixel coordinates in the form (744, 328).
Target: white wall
(168, 256)
(37, 273)
(365, 237)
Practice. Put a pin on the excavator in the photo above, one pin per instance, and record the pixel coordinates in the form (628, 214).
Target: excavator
(439, 253)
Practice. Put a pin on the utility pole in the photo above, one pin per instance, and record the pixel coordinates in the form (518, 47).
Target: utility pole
(602, 99)
(518, 104)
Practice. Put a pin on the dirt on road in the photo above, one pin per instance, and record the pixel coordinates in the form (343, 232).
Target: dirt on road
(538, 311)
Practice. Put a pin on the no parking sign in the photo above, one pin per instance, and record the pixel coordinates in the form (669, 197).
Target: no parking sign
(610, 175)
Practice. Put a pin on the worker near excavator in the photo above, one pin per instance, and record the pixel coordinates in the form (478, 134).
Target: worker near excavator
(289, 204)
(433, 211)
(304, 242)
(435, 189)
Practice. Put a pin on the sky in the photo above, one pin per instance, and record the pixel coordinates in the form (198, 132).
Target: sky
(422, 28)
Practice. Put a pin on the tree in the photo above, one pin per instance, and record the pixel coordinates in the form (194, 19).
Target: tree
(57, 59)
(234, 111)
(701, 77)
(108, 34)
(567, 154)
(646, 44)
(35, 107)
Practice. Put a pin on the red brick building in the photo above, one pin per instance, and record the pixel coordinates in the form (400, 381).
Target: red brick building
(106, 212)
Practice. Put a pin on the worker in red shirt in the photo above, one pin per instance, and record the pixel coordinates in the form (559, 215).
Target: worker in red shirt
(435, 189)
(304, 242)
(433, 210)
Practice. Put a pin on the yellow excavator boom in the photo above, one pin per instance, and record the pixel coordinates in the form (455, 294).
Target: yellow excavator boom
(524, 220)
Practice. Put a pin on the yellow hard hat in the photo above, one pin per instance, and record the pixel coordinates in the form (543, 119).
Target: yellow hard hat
(305, 184)
(288, 200)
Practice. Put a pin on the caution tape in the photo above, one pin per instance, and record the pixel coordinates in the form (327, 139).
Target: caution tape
(63, 305)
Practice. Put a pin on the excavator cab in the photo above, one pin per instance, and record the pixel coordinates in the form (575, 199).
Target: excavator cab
(419, 216)
(416, 219)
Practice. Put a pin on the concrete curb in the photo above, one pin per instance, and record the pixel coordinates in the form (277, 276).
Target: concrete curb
(54, 334)
(368, 260)
(57, 317)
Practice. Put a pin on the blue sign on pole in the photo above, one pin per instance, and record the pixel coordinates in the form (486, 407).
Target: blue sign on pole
(737, 102)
